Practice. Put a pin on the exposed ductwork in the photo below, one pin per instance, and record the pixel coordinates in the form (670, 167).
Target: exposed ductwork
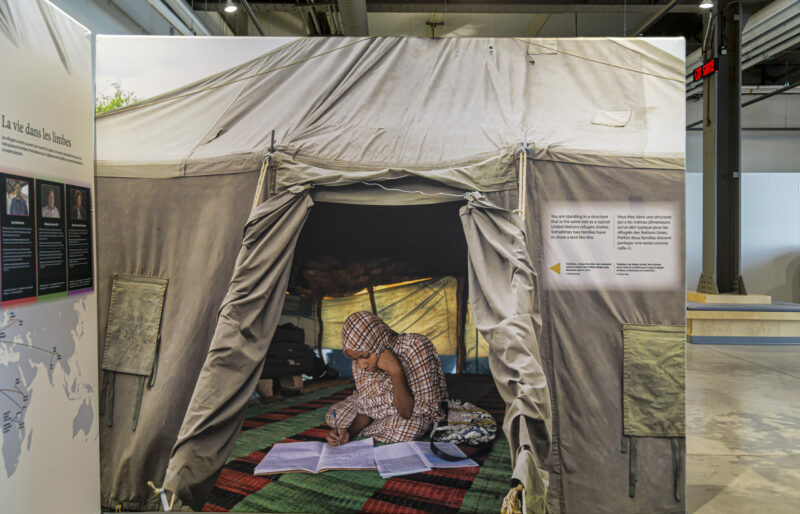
(768, 32)
(187, 15)
(354, 17)
(253, 18)
(171, 17)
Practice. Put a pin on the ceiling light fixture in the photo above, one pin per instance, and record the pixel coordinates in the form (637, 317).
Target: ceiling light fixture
(229, 7)
(706, 4)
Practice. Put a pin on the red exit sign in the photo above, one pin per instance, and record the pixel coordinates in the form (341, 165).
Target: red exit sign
(706, 69)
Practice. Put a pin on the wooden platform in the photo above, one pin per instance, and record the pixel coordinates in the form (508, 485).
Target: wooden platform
(735, 323)
(750, 299)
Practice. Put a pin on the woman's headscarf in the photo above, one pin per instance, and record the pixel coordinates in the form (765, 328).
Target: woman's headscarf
(365, 332)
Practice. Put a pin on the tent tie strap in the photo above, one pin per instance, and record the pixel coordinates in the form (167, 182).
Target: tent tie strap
(299, 188)
(676, 467)
(107, 397)
(162, 493)
(632, 478)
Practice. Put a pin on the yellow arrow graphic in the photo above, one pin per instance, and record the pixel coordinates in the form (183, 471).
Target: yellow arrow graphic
(556, 268)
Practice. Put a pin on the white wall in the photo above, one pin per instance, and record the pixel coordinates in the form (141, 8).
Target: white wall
(770, 199)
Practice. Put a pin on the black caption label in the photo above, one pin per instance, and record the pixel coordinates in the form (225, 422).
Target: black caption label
(51, 239)
(79, 238)
(17, 238)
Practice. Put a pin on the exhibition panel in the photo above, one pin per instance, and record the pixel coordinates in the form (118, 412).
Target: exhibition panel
(49, 449)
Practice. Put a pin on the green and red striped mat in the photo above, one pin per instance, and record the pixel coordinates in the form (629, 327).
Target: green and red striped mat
(302, 418)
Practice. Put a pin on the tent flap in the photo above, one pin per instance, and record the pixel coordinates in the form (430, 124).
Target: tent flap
(504, 302)
(246, 323)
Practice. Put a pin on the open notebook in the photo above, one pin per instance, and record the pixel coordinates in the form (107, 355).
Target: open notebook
(315, 457)
(391, 460)
(415, 457)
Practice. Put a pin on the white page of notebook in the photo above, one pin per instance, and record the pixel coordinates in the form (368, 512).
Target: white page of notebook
(353, 455)
(430, 458)
(399, 459)
(303, 456)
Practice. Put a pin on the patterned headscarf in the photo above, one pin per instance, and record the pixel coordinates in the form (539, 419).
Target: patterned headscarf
(366, 332)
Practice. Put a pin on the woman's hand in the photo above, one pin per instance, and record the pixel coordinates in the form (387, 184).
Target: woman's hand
(403, 399)
(388, 362)
(336, 438)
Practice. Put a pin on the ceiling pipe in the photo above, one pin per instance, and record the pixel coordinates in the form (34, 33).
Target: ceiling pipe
(757, 99)
(649, 22)
(253, 18)
(188, 16)
(773, 93)
(333, 20)
(354, 17)
(171, 17)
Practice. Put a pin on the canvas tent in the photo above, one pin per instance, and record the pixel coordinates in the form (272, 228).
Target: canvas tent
(395, 122)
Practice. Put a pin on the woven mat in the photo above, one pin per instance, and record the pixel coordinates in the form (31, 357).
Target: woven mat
(302, 418)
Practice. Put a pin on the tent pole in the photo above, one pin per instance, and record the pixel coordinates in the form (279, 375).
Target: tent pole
(523, 171)
(372, 299)
(318, 301)
(461, 317)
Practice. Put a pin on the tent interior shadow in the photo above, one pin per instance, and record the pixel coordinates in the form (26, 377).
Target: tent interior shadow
(344, 248)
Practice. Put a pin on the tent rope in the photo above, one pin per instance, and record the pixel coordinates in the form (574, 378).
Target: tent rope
(261, 178)
(598, 61)
(162, 493)
(190, 93)
(522, 179)
(344, 181)
(463, 195)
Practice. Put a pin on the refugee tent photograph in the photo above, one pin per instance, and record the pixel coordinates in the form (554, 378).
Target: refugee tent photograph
(517, 202)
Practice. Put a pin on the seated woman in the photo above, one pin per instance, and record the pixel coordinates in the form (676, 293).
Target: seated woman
(399, 384)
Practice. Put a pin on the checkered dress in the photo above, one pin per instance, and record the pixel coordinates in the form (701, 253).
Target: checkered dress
(363, 331)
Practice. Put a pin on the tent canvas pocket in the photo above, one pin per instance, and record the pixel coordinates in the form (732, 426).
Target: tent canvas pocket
(653, 380)
(132, 336)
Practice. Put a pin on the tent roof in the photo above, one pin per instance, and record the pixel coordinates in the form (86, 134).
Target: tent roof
(450, 110)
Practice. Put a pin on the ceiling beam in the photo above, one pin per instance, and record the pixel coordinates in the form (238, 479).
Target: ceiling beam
(253, 18)
(536, 24)
(485, 6)
(513, 7)
(649, 22)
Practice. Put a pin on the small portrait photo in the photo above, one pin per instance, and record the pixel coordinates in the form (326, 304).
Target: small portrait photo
(51, 201)
(17, 197)
(77, 205)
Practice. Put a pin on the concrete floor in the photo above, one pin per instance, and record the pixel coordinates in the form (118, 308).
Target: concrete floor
(743, 429)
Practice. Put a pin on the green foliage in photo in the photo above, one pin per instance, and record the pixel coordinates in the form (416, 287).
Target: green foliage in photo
(119, 98)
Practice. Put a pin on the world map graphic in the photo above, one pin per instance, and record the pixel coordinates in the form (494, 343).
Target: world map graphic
(42, 346)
